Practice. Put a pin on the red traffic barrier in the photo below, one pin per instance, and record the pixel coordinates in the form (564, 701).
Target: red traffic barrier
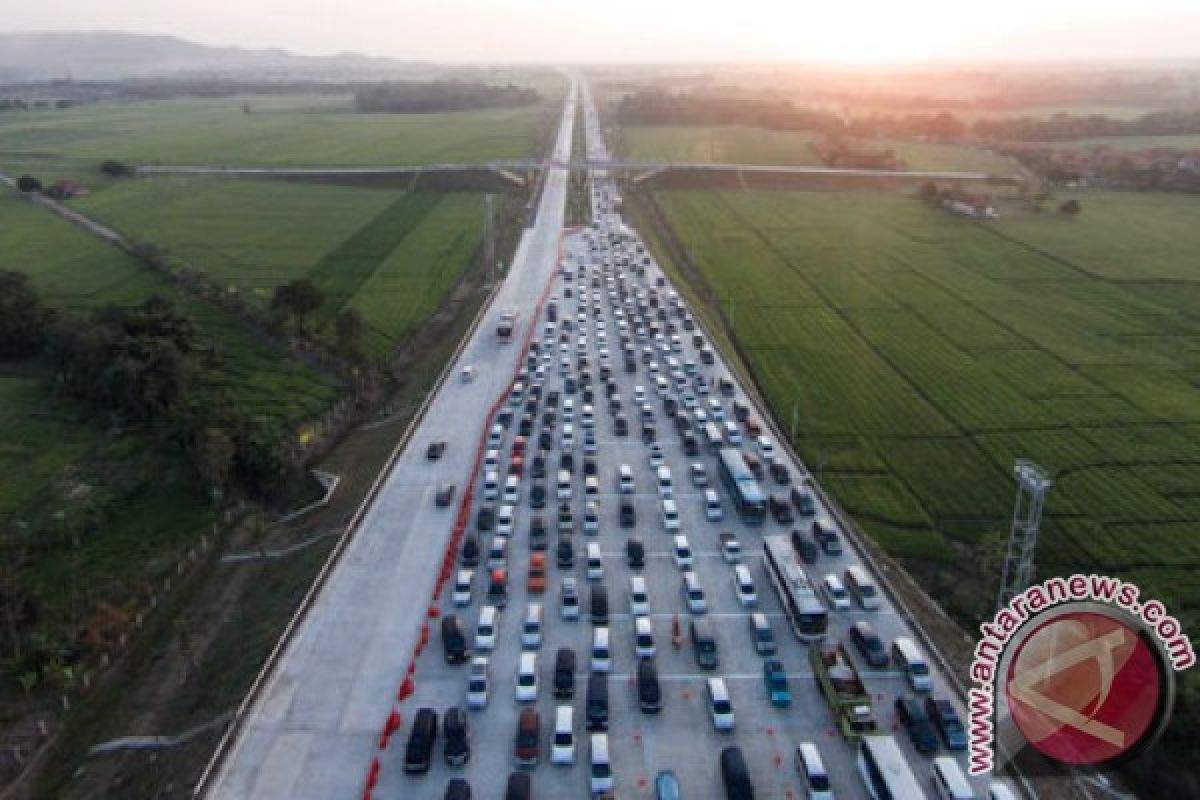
(412, 667)
(434, 612)
(373, 774)
(406, 689)
(417, 650)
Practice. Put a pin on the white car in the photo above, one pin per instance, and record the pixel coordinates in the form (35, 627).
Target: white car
(766, 447)
(569, 598)
(693, 593)
(562, 746)
(527, 678)
(656, 455)
(835, 593)
(699, 475)
(639, 395)
(504, 520)
(477, 683)
(512, 490)
(743, 587)
(625, 479)
(713, 510)
(491, 460)
(462, 587)
(491, 485)
(591, 517)
(731, 548)
(720, 704)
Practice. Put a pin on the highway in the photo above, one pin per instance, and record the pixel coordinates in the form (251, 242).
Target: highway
(313, 728)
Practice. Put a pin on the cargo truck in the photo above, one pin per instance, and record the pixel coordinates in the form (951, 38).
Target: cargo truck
(844, 690)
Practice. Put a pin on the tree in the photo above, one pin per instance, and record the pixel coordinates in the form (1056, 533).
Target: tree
(23, 319)
(213, 457)
(297, 299)
(116, 169)
(1070, 208)
(350, 329)
(29, 184)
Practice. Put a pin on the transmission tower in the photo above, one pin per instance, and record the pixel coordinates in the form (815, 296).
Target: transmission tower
(1032, 485)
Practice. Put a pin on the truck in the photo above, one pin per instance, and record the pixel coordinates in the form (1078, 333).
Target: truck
(508, 324)
(844, 690)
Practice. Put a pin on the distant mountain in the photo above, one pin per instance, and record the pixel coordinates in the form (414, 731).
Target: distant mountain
(104, 55)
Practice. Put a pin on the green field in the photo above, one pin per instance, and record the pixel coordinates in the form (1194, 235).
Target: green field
(392, 255)
(743, 145)
(289, 130)
(922, 353)
(1181, 142)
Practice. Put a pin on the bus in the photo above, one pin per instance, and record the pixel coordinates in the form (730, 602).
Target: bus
(748, 498)
(801, 604)
(884, 770)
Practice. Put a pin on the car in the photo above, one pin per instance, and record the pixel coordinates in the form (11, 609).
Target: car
(720, 705)
(743, 586)
(682, 552)
(648, 688)
(627, 517)
(766, 446)
(776, 681)
(811, 767)
(457, 749)
(862, 633)
(699, 475)
(802, 499)
(536, 582)
(419, 749)
(805, 547)
(911, 715)
(445, 494)
(562, 746)
(656, 455)
(470, 550)
(666, 786)
(565, 552)
(779, 472)
(731, 548)
(564, 673)
(537, 533)
(485, 518)
(527, 678)
(478, 679)
(435, 450)
(526, 748)
(693, 593)
(512, 490)
(713, 511)
(569, 598)
(947, 722)
(704, 644)
(835, 593)
(462, 587)
(635, 552)
(591, 517)
(780, 509)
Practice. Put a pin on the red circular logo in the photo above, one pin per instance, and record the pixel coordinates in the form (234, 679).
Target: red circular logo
(1084, 688)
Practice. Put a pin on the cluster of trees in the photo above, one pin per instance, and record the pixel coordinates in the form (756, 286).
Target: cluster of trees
(765, 109)
(23, 319)
(410, 97)
(297, 300)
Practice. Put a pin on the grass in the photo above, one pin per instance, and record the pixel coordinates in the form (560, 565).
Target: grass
(923, 353)
(281, 131)
(1189, 141)
(745, 145)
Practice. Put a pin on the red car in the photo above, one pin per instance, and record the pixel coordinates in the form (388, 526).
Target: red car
(516, 466)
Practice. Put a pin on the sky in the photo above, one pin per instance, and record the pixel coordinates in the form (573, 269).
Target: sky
(578, 31)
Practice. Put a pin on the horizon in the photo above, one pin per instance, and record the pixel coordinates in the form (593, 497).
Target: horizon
(668, 32)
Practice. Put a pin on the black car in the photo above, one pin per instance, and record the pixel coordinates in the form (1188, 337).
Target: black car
(519, 787)
(525, 426)
(597, 701)
(458, 789)
(567, 461)
(537, 495)
(564, 672)
(419, 750)
(780, 473)
(920, 730)
(704, 644)
(671, 406)
(735, 775)
(485, 518)
(445, 494)
(545, 440)
(457, 750)
(691, 447)
(470, 550)
(537, 533)
(537, 469)
(620, 425)
(802, 499)
(862, 633)
(589, 465)
(565, 553)
(649, 434)
(740, 411)
(454, 640)
(630, 366)
(628, 517)
(588, 396)
(949, 726)
(781, 510)
(649, 692)
(435, 450)
(805, 547)
(635, 552)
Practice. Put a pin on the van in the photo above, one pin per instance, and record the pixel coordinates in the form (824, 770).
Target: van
(720, 705)
(662, 479)
(562, 746)
(743, 586)
(869, 644)
(595, 566)
(527, 682)
(713, 436)
(419, 750)
(599, 604)
(454, 641)
(704, 643)
(563, 485)
(735, 775)
(912, 662)
(649, 691)
(712, 506)
(601, 779)
(531, 628)
(597, 702)
(485, 631)
(948, 780)
(812, 768)
(643, 637)
(762, 634)
(497, 552)
(526, 746)
(862, 588)
(601, 654)
(639, 600)
(564, 672)
(670, 514)
(625, 482)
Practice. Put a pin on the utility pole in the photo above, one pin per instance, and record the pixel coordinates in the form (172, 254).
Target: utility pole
(489, 240)
(795, 418)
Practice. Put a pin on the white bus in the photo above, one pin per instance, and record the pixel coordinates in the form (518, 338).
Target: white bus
(885, 771)
(797, 595)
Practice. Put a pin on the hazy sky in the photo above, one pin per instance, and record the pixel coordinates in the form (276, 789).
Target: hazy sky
(653, 30)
